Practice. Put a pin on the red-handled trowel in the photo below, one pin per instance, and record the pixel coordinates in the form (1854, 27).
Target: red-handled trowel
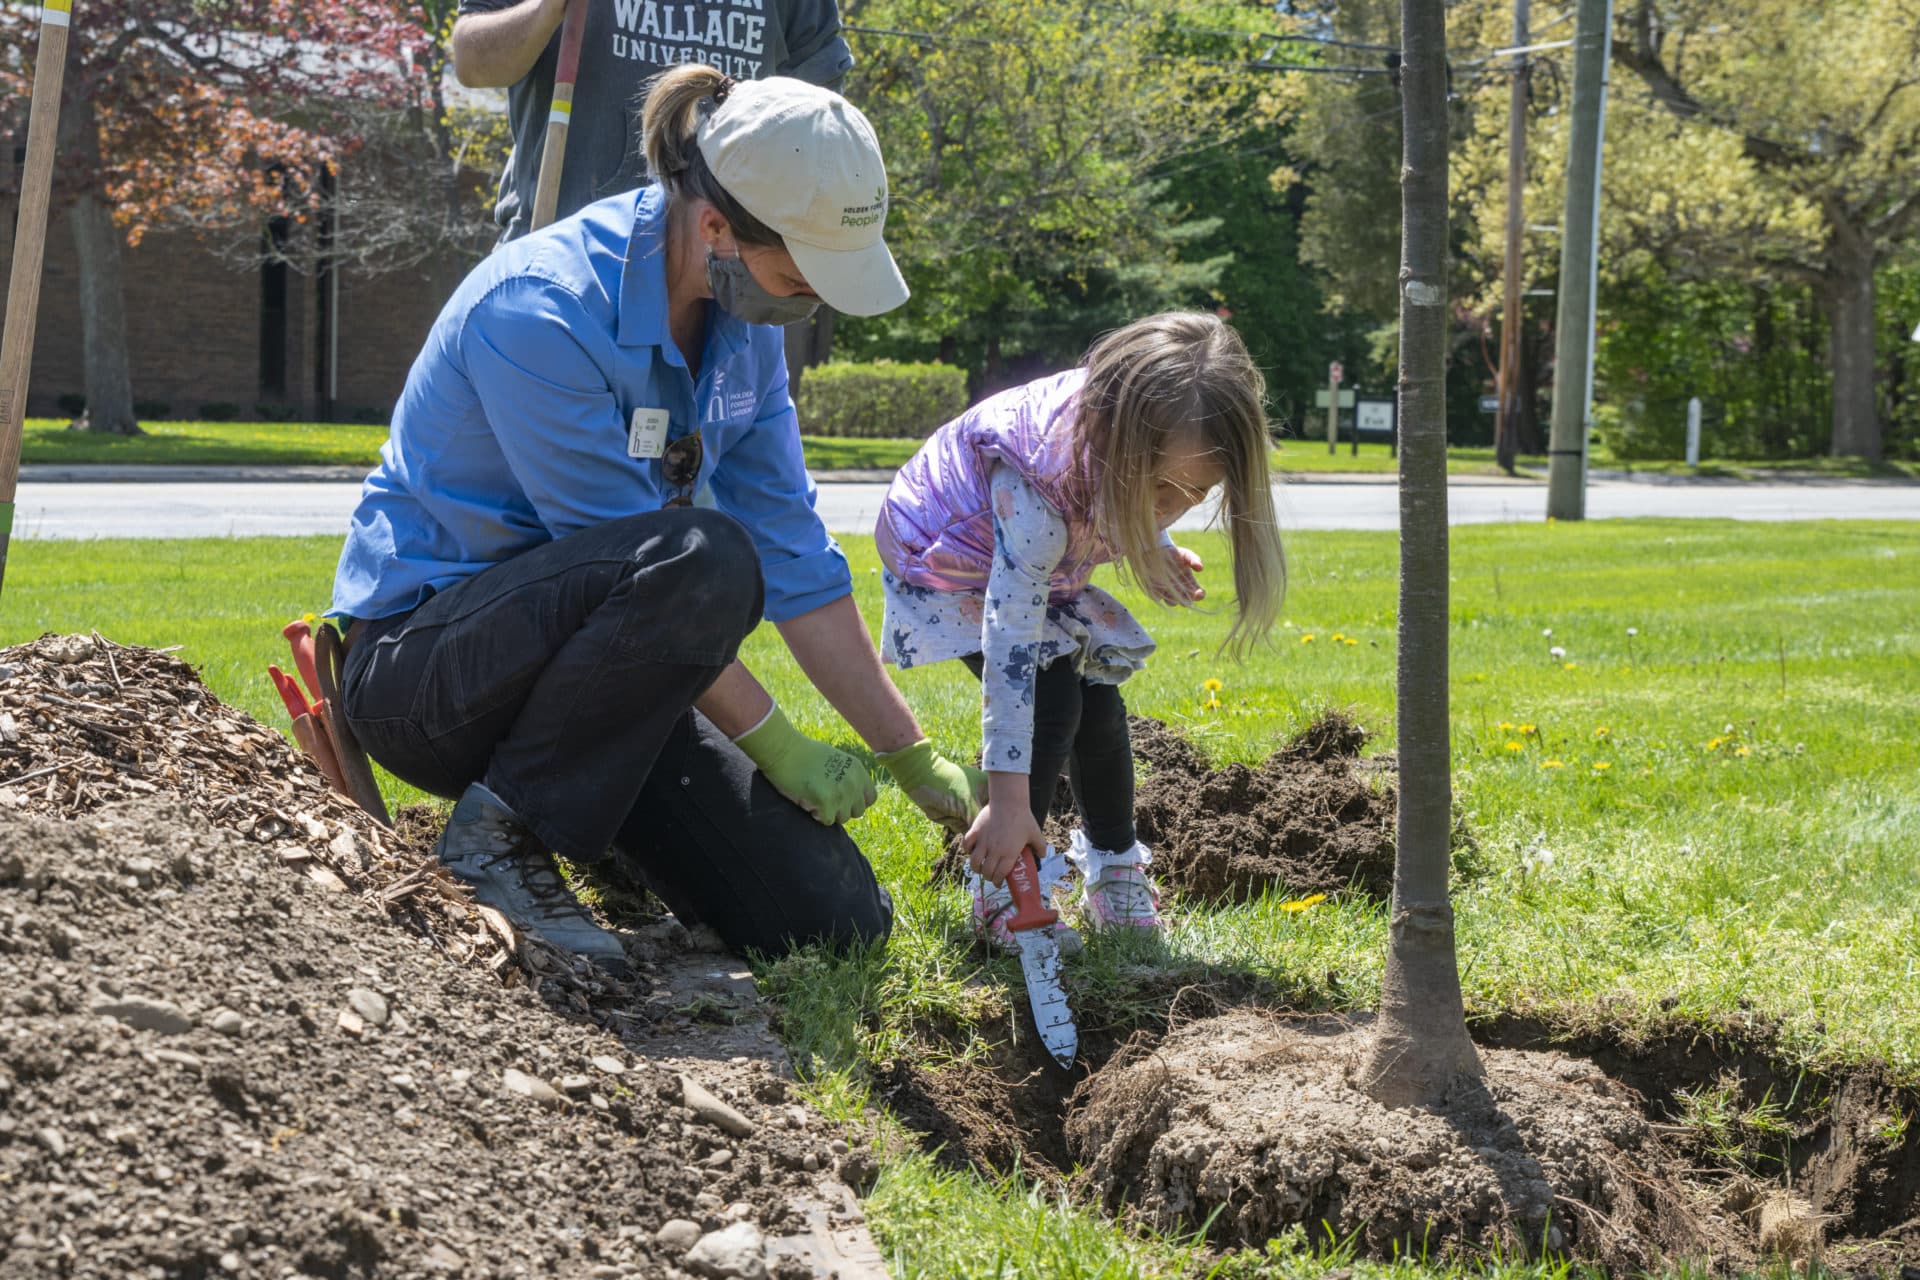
(1034, 929)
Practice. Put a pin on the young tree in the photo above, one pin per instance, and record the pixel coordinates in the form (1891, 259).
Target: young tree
(176, 112)
(1420, 1042)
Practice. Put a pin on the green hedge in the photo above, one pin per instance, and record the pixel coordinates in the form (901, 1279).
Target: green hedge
(880, 400)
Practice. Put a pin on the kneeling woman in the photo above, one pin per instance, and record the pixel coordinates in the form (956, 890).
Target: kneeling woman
(544, 625)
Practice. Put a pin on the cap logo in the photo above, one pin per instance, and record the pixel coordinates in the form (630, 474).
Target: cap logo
(865, 215)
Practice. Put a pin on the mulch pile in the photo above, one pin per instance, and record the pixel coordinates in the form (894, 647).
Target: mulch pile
(85, 722)
(217, 1058)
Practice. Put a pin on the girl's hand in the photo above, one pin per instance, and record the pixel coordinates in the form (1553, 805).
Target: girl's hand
(1187, 588)
(1004, 830)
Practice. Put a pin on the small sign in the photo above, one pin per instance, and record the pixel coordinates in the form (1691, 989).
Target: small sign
(1320, 399)
(1335, 373)
(1489, 404)
(1375, 416)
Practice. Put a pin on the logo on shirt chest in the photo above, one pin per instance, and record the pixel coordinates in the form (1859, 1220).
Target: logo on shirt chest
(724, 403)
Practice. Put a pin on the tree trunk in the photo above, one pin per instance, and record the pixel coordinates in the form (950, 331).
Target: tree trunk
(1420, 1043)
(1848, 296)
(103, 324)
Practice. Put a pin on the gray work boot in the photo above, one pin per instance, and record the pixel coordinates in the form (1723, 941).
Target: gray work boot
(505, 865)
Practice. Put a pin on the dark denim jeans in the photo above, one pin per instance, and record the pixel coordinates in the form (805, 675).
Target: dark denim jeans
(1081, 727)
(564, 679)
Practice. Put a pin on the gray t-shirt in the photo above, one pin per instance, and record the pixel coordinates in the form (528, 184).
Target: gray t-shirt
(626, 43)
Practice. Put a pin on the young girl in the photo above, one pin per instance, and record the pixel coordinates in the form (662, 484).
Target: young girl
(990, 535)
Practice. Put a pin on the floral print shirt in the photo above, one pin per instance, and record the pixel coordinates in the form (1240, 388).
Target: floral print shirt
(1013, 626)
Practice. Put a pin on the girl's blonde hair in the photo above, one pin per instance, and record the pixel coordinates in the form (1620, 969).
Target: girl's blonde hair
(1172, 377)
(674, 103)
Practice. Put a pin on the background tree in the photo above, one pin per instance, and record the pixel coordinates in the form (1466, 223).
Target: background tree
(1420, 1042)
(1035, 151)
(178, 112)
(1825, 107)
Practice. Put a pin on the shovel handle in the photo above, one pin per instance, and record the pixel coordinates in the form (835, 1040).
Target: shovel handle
(1030, 909)
(299, 634)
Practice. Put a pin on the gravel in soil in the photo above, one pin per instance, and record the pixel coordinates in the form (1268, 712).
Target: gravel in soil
(219, 1056)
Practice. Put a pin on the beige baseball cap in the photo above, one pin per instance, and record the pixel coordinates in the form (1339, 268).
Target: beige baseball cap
(803, 160)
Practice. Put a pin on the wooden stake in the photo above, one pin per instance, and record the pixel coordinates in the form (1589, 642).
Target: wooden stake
(29, 252)
(553, 156)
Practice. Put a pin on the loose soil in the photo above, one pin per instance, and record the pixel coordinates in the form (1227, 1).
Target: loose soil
(1247, 1124)
(219, 1056)
(1242, 1122)
(1316, 817)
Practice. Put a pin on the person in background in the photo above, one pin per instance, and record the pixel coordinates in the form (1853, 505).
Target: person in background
(514, 45)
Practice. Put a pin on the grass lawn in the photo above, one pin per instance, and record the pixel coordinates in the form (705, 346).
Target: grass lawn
(349, 444)
(1717, 814)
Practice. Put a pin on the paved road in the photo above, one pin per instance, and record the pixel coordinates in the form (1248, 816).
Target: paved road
(168, 510)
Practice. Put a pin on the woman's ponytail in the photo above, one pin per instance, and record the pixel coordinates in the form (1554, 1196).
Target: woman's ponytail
(675, 103)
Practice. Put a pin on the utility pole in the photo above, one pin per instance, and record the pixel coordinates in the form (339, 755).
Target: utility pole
(1506, 420)
(1333, 405)
(1579, 267)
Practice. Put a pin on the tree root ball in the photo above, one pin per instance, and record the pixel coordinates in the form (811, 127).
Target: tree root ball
(1252, 1123)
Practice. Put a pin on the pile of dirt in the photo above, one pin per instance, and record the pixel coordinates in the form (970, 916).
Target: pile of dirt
(209, 1065)
(1246, 1124)
(1314, 818)
(219, 1057)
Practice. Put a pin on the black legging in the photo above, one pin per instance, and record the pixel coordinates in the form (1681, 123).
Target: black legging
(1081, 727)
(565, 679)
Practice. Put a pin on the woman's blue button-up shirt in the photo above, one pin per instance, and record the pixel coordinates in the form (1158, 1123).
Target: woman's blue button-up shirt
(513, 428)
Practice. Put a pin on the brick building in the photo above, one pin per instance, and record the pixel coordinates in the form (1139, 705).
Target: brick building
(205, 337)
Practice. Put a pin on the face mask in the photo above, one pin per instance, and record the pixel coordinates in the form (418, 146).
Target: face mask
(739, 295)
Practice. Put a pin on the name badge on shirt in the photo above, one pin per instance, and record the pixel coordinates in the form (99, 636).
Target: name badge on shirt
(647, 433)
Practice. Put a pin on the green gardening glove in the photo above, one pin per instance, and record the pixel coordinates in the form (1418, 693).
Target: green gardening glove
(825, 781)
(950, 794)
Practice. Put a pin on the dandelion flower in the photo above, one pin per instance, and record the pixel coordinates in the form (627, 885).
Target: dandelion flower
(1556, 652)
(1743, 751)
(1348, 640)
(1568, 666)
(1339, 635)
(1514, 746)
(1601, 766)
(1301, 904)
(1547, 632)
(1553, 764)
(1506, 724)
(1307, 638)
(1529, 728)
(1211, 685)
(1633, 631)
(1601, 732)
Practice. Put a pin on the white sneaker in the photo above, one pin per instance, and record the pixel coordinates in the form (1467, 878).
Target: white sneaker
(1120, 894)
